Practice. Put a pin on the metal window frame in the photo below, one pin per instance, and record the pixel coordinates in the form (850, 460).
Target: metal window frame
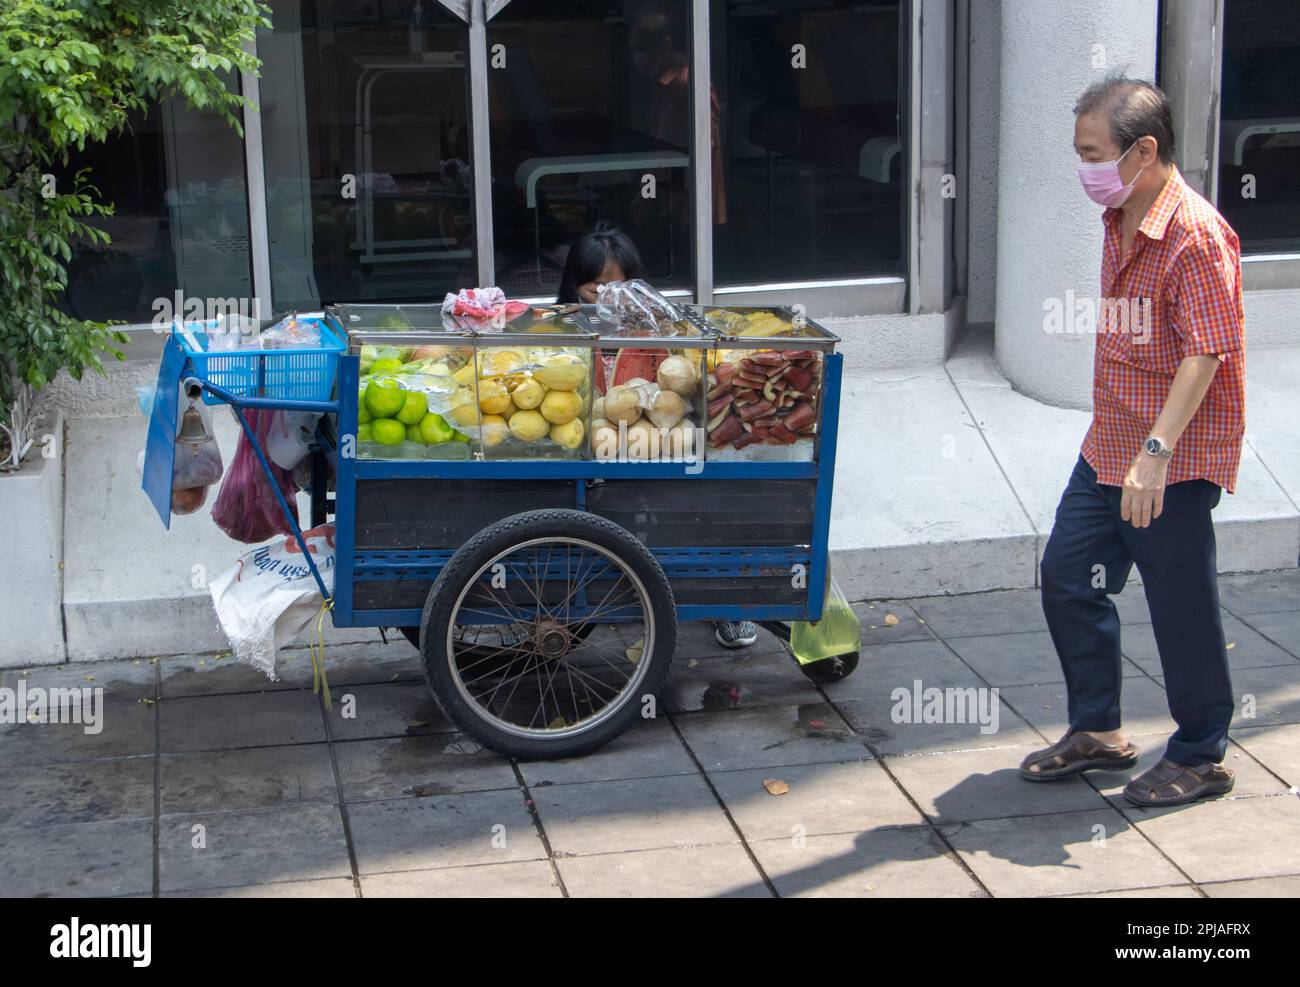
(929, 99)
(259, 235)
(930, 281)
(480, 144)
(860, 296)
(702, 150)
(1191, 52)
(1191, 59)
(1270, 272)
(145, 342)
(961, 146)
(883, 294)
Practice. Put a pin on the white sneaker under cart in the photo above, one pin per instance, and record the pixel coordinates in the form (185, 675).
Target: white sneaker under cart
(736, 633)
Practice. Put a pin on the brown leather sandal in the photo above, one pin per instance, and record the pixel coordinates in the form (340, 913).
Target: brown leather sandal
(1074, 753)
(1176, 784)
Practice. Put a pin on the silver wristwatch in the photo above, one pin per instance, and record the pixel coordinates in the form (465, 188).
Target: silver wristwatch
(1156, 447)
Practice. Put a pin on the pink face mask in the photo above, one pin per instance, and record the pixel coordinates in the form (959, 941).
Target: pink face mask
(1101, 181)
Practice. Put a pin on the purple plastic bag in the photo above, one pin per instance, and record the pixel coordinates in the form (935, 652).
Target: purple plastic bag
(246, 508)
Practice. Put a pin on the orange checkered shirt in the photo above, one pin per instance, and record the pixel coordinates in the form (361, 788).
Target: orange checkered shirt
(1177, 294)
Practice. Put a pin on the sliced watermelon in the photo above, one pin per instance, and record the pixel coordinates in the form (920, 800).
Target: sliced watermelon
(632, 363)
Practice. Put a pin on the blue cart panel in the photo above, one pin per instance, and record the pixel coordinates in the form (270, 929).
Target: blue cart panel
(736, 540)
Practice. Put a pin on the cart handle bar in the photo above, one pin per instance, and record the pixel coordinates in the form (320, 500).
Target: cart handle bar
(195, 385)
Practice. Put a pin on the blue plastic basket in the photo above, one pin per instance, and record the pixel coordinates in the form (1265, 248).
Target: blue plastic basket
(301, 374)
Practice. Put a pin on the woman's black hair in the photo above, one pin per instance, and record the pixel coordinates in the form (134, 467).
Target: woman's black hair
(591, 253)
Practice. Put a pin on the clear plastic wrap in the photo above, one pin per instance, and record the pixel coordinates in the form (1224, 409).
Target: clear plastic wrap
(290, 333)
(419, 409)
(636, 308)
(534, 401)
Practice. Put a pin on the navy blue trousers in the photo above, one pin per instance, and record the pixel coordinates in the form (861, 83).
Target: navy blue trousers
(1088, 559)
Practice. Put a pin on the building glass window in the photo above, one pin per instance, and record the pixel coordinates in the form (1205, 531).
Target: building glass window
(813, 139)
(365, 139)
(590, 108)
(175, 178)
(1259, 129)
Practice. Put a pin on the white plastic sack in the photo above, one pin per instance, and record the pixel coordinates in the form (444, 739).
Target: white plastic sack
(270, 597)
(290, 436)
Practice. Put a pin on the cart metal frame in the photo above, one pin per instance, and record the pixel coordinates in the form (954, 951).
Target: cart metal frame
(354, 566)
(398, 585)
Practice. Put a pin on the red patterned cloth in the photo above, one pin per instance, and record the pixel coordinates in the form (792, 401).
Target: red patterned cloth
(1181, 289)
(481, 303)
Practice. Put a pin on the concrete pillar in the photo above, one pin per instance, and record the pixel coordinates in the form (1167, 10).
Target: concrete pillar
(1049, 233)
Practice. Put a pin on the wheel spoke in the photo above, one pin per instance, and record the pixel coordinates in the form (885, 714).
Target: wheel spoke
(588, 676)
(540, 668)
(599, 605)
(536, 594)
(597, 564)
(516, 679)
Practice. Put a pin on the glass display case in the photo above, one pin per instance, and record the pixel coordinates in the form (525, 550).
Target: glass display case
(561, 382)
(651, 394)
(534, 373)
(765, 376)
(418, 396)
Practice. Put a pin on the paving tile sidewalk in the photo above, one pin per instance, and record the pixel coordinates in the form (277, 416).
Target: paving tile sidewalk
(207, 780)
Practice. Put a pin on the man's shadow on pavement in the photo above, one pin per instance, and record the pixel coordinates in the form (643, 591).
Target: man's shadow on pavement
(1017, 840)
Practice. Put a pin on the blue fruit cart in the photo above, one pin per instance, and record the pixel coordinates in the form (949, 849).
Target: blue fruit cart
(539, 558)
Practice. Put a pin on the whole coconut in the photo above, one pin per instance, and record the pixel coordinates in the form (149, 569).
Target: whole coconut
(667, 409)
(677, 374)
(622, 405)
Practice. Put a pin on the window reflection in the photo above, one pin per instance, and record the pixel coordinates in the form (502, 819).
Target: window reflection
(813, 144)
(180, 221)
(366, 146)
(591, 121)
(1259, 131)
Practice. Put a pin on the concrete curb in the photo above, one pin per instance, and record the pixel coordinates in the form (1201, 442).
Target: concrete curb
(947, 485)
(31, 545)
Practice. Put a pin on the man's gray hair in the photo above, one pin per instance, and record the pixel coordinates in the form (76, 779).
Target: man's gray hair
(1134, 109)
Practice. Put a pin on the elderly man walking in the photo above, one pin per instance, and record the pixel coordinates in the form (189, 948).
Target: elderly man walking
(1165, 441)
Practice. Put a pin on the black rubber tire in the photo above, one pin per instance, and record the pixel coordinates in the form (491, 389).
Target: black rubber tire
(831, 669)
(488, 544)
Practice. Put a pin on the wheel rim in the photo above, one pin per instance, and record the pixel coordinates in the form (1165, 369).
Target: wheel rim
(563, 679)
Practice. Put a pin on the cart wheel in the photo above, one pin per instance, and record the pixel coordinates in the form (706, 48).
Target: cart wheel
(831, 669)
(599, 632)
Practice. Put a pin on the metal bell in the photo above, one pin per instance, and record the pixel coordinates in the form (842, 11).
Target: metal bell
(193, 432)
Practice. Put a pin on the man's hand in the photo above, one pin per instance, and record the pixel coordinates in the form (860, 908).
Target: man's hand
(1144, 490)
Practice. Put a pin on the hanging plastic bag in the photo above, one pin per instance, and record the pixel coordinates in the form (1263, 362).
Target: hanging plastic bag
(246, 508)
(289, 437)
(637, 309)
(197, 463)
(270, 597)
(839, 632)
(198, 458)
